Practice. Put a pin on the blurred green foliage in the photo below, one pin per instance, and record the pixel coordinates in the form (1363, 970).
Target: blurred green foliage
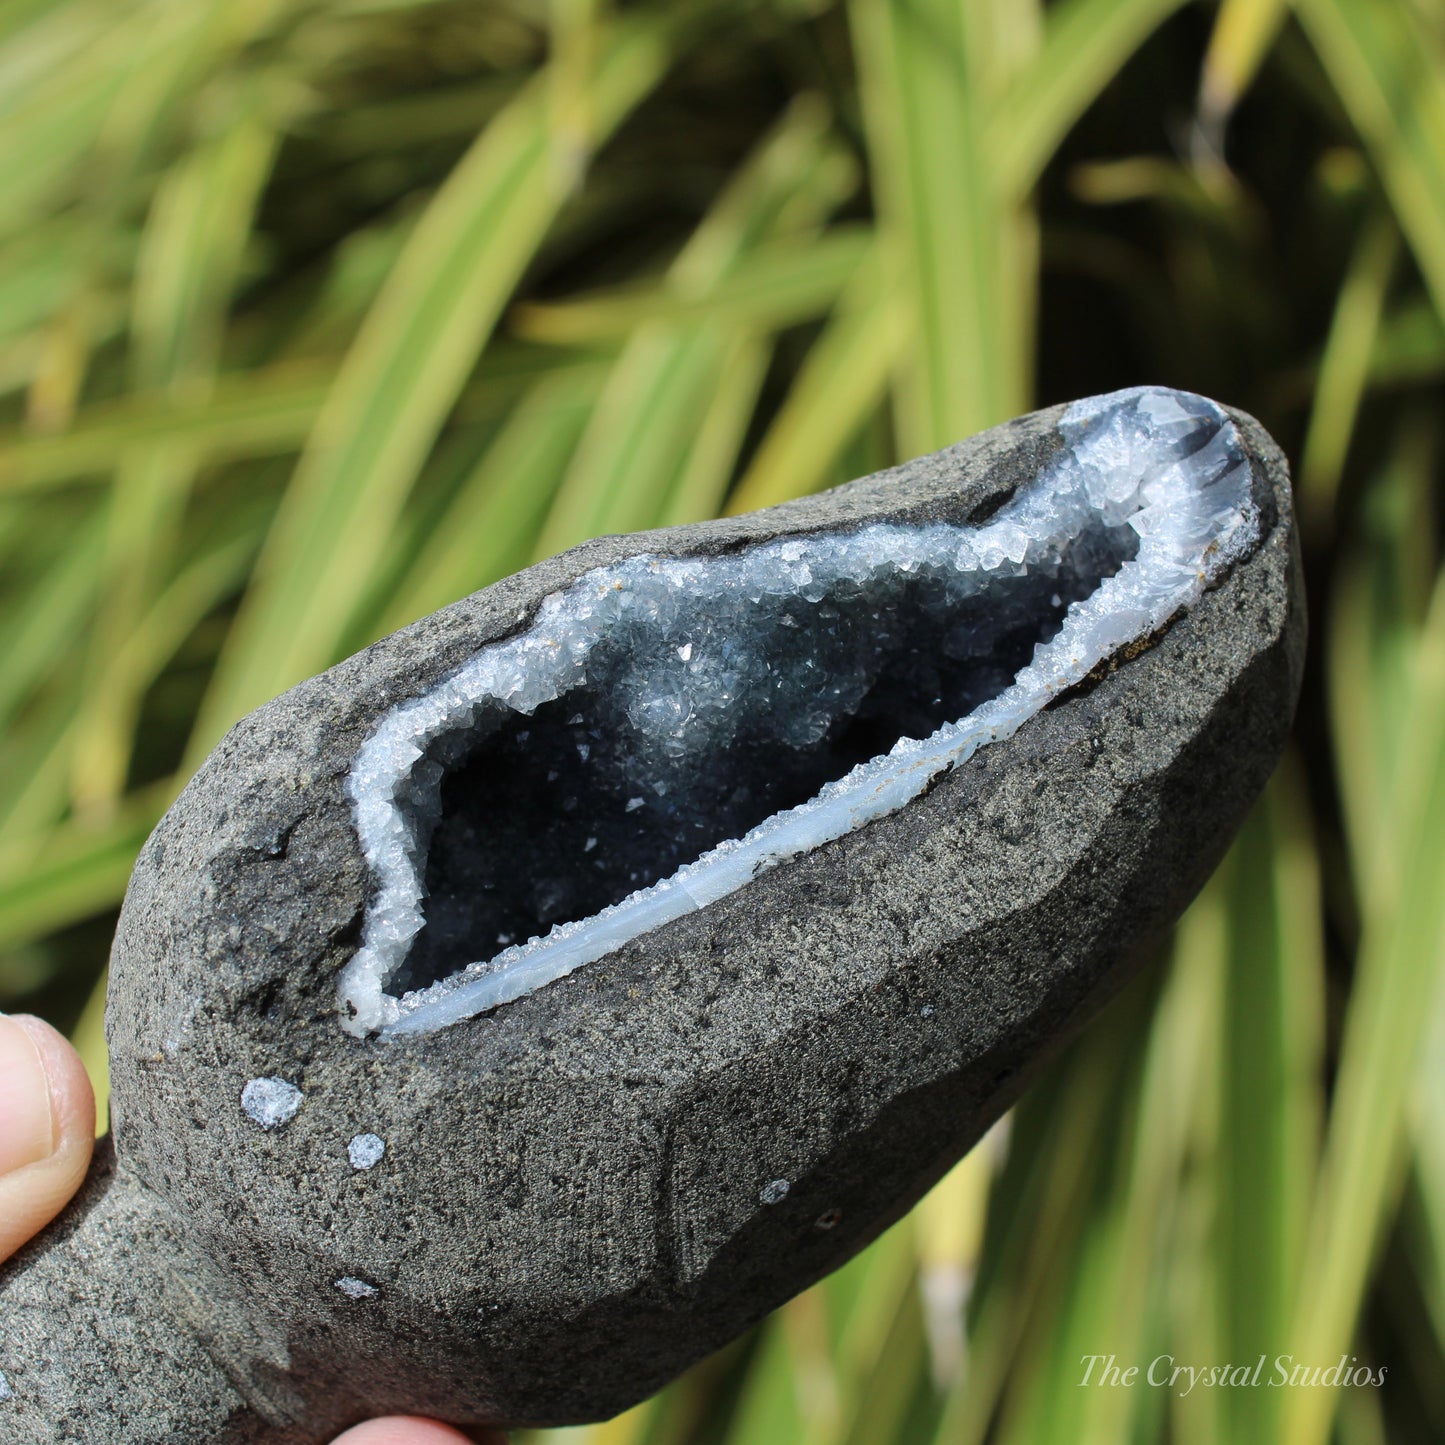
(317, 315)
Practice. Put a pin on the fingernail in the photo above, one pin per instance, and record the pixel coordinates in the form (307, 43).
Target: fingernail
(27, 1128)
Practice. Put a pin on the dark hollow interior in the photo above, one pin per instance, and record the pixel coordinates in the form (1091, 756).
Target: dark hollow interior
(540, 819)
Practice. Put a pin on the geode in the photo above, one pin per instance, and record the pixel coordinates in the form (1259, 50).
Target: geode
(516, 1012)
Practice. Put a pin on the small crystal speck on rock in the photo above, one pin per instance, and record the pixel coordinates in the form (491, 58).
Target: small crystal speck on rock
(774, 1191)
(271, 1102)
(365, 1150)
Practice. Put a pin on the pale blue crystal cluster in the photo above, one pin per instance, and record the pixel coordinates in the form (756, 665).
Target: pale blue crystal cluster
(667, 728)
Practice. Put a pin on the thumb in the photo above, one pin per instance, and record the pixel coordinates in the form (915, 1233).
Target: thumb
(47, 1127)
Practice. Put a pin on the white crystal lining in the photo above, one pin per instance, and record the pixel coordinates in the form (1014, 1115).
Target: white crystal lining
(1121, 464)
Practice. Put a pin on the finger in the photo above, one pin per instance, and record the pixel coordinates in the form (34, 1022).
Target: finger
(47, 1127)
(410, 1430)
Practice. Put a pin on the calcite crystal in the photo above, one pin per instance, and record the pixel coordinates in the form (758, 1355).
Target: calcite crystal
(628, 944)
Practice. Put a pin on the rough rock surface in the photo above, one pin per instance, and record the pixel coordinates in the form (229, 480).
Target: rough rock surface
(581, 1191)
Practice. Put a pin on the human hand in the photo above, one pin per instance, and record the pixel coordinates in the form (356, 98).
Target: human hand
(47, 1128)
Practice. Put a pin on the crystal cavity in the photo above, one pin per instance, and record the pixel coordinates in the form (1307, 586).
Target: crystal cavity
(1145, 505)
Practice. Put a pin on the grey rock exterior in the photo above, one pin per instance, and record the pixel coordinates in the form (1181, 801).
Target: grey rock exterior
(579, 1195)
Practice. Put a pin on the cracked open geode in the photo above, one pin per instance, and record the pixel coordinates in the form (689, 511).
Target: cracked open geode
(656, 925)
(669, 727)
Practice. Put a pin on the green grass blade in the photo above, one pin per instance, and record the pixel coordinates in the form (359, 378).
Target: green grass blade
(712, 458)
(167, 50)
(1387, 65)
(1377, 599)
(50, 618)
(1243, 33)
(110, 710)
(1427, 1135)
(865, 1342)
(1410, 346)
(37, 274)
(1344, 368)
(81, 871)
(400, 378)
(258, 414)
(574, 44)
(1056, 1147)
(894, 1380)
(647, 417)
(53, 876)
(48, 128)
(778, 285)
(843, 378)
(948, 1226)
(190, 259)
(641, 429)
(188, 269)
(18, 16)
(88, 1036)
(35, 774)
(1269, 1073)
(944, 216)
(410, 120)
(769, 1410)
(491, 525)
(1116, 1297)
(1086, 43)
(1045, 1368)
(1399, 965)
